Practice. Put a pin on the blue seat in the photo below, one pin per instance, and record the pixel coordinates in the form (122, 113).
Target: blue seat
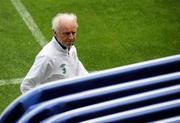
(174, 119)
(114, 106)
(89, 97)
(141, 115)
(106, 78)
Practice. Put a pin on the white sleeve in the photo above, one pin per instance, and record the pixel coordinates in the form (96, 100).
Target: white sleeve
(38, 73)
(80, 68)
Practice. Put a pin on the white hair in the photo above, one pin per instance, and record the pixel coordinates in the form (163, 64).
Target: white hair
(59, 18)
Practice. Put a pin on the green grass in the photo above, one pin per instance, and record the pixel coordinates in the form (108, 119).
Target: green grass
(17, 50)
(17, 46)
(111, 33)
(118, 32)
(7, 94)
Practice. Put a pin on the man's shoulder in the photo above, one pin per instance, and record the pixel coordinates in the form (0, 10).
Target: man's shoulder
(73, 48)
(44, 57)
(47, 50)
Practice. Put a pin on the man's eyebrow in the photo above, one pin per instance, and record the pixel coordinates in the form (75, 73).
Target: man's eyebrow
(69, 32)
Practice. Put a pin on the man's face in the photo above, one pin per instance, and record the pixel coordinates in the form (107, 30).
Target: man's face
(67, 34)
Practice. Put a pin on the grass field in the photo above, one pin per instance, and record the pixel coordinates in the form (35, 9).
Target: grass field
(111, 33)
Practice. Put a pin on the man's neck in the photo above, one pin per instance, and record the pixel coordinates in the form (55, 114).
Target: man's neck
(60, 43)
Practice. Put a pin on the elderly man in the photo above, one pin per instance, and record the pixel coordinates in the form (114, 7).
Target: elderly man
(58, 59)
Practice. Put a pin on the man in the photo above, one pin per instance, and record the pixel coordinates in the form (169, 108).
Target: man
(58, 59)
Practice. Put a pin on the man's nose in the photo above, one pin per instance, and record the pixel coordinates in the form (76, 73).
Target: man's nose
(71, 36)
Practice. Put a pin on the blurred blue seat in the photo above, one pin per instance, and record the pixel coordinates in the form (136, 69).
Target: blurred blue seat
(114, 106)
(47, 92)
(140, 115)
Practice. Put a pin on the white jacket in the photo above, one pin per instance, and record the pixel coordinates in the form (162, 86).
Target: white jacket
(53, 63)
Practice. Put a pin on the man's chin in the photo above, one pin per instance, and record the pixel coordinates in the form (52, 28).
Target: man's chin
(69, 45)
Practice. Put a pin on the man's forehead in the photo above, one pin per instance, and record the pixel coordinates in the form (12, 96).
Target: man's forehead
(67, 22)
(66, 26)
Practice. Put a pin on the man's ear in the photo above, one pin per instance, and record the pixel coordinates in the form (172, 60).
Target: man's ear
(54, 32)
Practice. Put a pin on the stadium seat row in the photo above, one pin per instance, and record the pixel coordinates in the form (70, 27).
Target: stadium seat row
(142, 92)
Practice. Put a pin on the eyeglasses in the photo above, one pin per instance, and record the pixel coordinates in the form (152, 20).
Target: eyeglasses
(68, 33)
